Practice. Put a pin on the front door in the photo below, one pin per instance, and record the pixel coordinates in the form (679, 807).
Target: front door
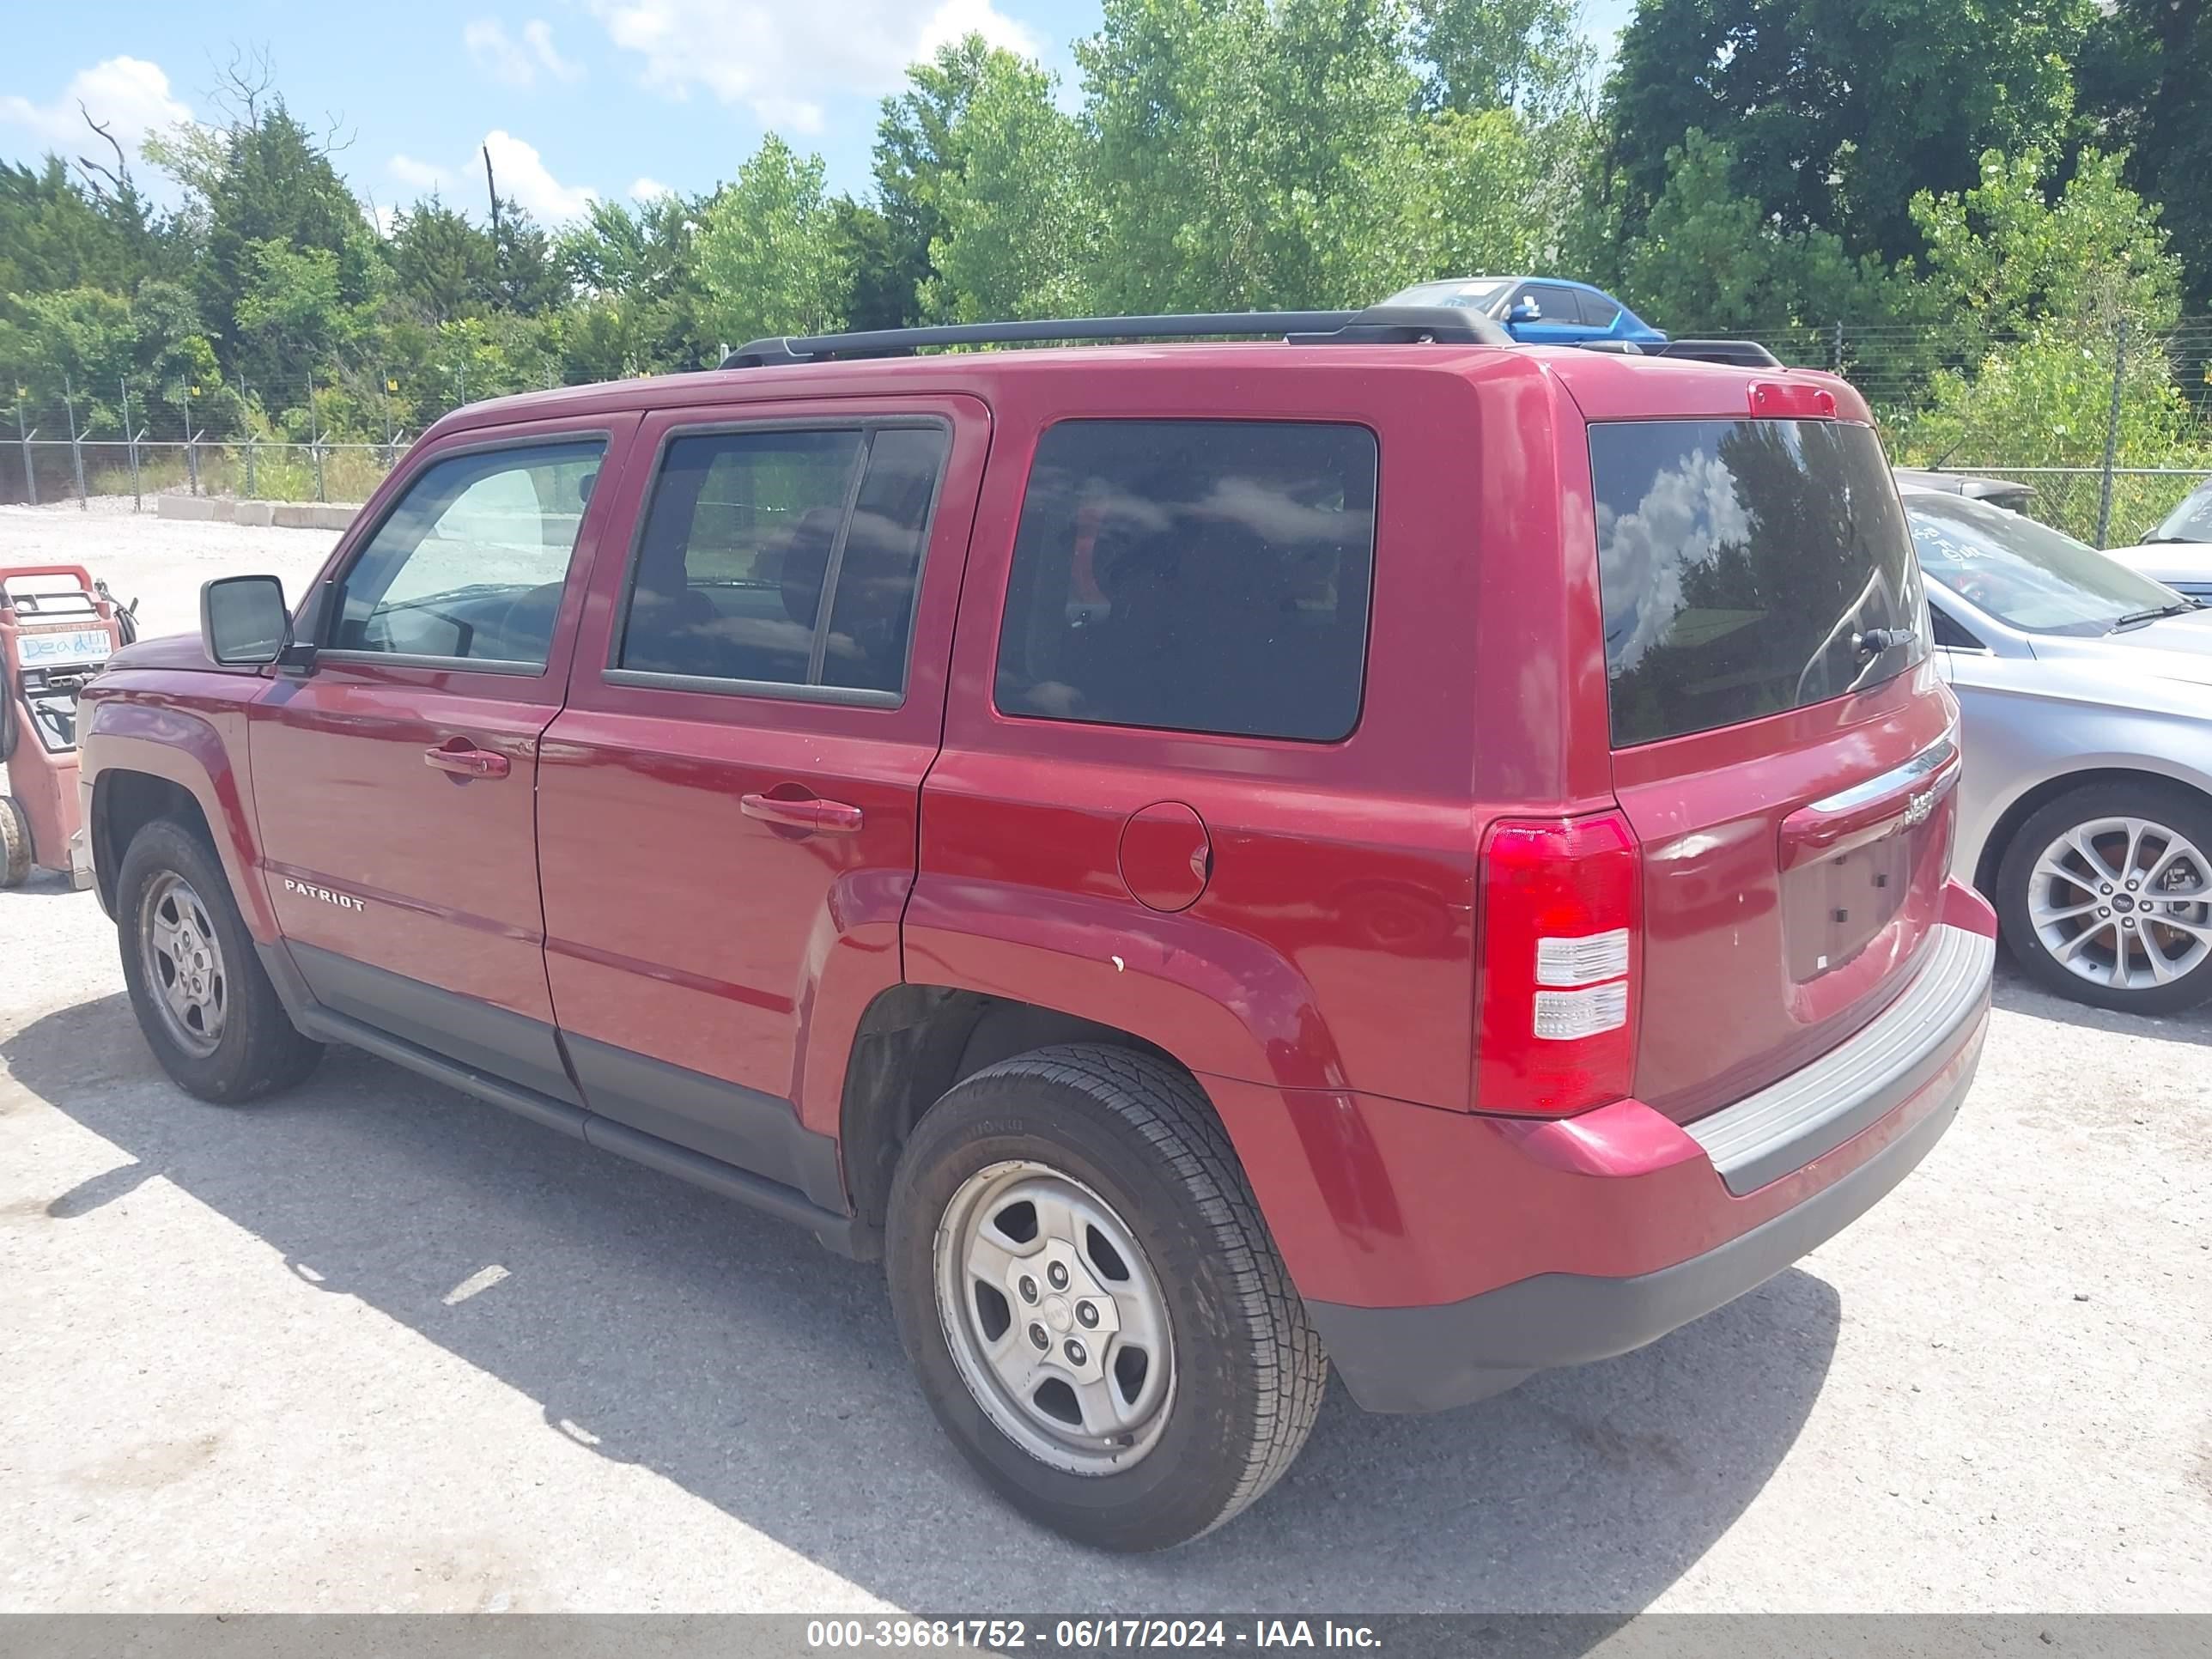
(396, 781)
(728, 805)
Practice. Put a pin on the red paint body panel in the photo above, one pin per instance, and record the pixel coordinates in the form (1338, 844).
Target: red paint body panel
(1377, 1204)
(446, 865)
(717, 940)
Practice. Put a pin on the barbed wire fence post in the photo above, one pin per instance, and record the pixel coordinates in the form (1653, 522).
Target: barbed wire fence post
(315, 436)
(191, 447)
(130, 443)
(246, 420)
(76, 442)
(2112, 432)
(24, 435)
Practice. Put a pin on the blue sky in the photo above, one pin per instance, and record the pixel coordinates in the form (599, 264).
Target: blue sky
(612, 98)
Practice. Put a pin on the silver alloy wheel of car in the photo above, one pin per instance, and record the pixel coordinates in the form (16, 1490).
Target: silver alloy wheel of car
(1056, 1321)
(2123, 901)
(183, 964)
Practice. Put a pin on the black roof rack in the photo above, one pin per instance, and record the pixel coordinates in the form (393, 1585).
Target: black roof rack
(1743, 354)
(1377, 325)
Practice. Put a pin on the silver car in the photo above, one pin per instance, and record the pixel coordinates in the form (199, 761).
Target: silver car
(2086, 809)
(2180, 552)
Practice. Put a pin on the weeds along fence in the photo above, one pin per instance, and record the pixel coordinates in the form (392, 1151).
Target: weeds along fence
(2111, 428)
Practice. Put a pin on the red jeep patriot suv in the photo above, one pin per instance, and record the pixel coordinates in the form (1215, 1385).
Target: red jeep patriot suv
(1378, 848)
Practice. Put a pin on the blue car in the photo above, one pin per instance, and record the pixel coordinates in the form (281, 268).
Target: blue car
(1539, 309)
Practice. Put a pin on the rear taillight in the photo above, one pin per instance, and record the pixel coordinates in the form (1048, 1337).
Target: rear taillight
(1562, 919)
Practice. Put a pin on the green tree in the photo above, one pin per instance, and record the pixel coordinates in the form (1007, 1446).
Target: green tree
(1500, 54)
(1712, 260)
(1018, 229)
(2004, 254)
(265, 178)
(768, 249)
(525, 276)
(918, 156)
(442, 265)
(1836, 112)
(2147, 76)
(291, 317)
(1241, 146)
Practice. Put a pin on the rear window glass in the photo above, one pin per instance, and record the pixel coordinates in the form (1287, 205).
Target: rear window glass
(1193, 576)
(1742, 562)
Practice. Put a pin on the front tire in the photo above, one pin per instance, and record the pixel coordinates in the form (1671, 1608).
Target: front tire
(1099, 1318)
(14, 843)
(204, 1001)
(2105, 896)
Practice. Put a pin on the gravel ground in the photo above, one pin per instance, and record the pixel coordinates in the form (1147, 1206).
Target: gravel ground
(376, 1346)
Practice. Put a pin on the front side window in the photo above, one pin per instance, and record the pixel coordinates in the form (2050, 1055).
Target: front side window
(472, 563)
(785, 557)
(1744, 565)
(2024, 573)
(1193, 576)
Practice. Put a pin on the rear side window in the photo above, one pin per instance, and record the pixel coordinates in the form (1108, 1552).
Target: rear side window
(1741, 560)
(787, 558)
(1193, 576)
(1596, 310)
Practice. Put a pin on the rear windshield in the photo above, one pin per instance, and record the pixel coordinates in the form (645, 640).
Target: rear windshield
(1743, 562)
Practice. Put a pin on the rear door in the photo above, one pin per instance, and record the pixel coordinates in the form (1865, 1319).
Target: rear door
(397, 783)
(728, 806)
(1782, 742)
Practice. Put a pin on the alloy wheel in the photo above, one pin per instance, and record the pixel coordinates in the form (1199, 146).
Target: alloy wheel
(2124, 903)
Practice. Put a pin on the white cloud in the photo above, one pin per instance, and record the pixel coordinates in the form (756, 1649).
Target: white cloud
(517, 62)
(519, 170)
(644, 188)
(782, 61)
(128, 95)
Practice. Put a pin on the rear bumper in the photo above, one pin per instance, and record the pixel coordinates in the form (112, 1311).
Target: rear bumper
(1781, 1173)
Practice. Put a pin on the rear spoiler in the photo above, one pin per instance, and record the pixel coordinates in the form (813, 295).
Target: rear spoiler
(1743, 354)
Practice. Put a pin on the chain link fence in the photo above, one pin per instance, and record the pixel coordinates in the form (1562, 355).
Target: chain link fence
(2110, 430)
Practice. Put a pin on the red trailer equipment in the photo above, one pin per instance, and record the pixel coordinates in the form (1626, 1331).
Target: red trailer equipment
(57, 626)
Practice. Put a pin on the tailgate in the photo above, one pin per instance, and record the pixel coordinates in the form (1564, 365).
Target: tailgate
(1783, 747)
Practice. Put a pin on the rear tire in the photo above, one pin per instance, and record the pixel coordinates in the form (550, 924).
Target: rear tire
(1147, 1260)
(2075, 925)
(204, 1001)
(14, 843)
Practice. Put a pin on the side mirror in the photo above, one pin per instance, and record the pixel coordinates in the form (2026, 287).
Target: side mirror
(1525, 310)
(243, 621)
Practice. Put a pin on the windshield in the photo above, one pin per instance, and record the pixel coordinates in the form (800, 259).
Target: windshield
(2189, 522)
(1469, 293)
(2025, 573)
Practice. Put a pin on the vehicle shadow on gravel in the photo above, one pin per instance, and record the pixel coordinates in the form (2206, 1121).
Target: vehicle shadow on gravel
(2017, 994)
(731, 1355)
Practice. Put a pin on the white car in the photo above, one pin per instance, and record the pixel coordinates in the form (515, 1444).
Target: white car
(2180, 552)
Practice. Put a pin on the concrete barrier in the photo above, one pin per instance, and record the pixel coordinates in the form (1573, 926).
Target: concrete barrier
(291, 515)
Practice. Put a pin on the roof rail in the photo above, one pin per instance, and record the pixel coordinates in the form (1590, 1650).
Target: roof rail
(1743, 354)
(1377, 325)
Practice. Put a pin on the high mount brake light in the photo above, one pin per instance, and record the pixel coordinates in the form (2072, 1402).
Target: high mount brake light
(1562, 915)
(1780, 400)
